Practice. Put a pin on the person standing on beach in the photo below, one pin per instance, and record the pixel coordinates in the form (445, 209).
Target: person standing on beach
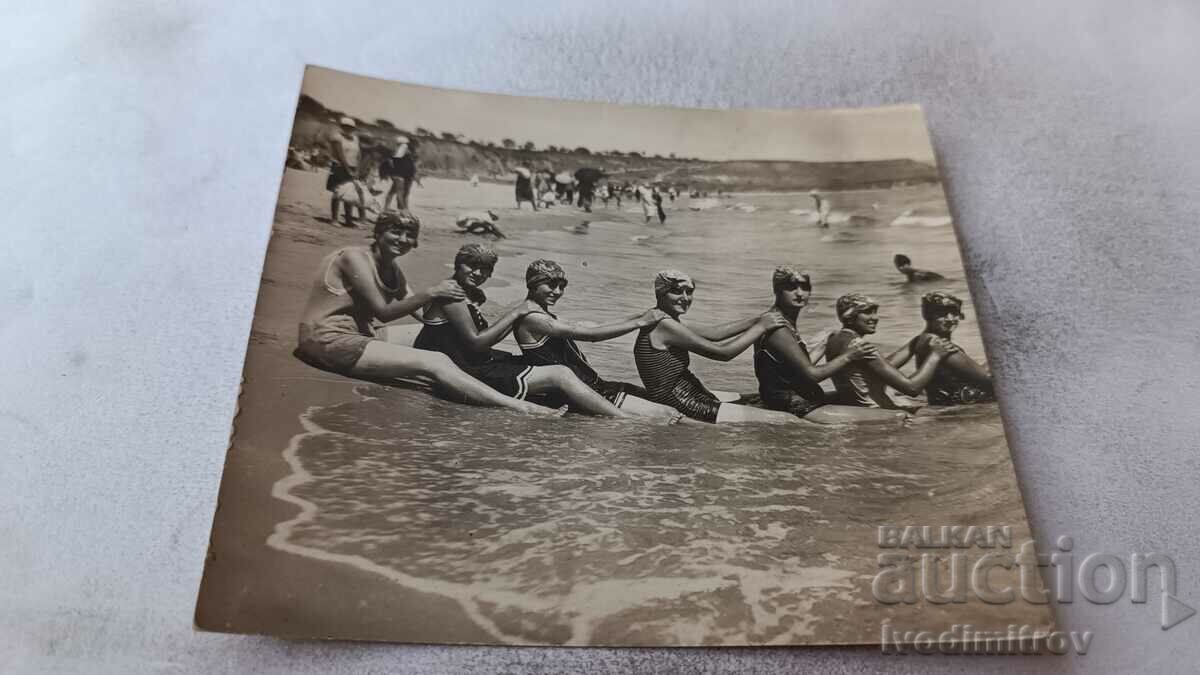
(401, 168)
(864, 383)
(344, 151)
(524, 188)
(357, 286)
(646, 196)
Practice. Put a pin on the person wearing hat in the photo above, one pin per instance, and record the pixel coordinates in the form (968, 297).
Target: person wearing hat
(662, 354)
(865, 382)
(345, 151)
(959, 379)
(547, 340)
(401, 169)
(458, 329)
(788, 380)
(359, 286)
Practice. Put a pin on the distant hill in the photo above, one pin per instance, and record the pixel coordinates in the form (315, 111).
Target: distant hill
(448, 155)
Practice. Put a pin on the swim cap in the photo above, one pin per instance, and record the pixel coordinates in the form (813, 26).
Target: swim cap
(670, 280)
(541, 271)
(851, 305)
(938, 304)
(397, 220)
(785, 275)
(476, 255)
(901, 259)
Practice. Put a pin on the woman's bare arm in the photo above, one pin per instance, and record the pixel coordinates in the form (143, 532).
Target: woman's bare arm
(675, 334)
(359, 277)
(724, 330)
(784, 346)
(459, 316)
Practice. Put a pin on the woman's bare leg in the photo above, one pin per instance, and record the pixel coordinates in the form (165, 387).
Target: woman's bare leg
(732, 412)
(643, 408)
(851, 414)
(560, 379)
(382, 360)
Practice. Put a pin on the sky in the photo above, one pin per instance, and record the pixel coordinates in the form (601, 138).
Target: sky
(894, 132)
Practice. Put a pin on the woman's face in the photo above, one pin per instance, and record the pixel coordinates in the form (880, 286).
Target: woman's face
(794, 296)
(472, 275)
(396, 242)
(943, 325)
(865, 322)
(677, 300)
(547, 293)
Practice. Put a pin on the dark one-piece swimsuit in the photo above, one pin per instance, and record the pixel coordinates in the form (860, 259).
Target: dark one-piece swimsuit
(553, 350)
(504, 372)
(780, 389)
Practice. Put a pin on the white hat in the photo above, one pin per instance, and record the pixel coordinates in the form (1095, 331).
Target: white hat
(402, 140)
(346, 122)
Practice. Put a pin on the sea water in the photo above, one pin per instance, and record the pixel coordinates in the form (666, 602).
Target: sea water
(596, 531)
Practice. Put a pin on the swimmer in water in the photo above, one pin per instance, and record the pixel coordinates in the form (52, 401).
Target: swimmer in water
(662, 354)
(357, 286)
(904, 266)
(959, 379)
(821, 207)
(787, 378)
(457, 328)
(547, 340)
(864, 383)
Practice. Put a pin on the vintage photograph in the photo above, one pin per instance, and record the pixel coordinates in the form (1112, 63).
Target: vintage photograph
(526, 371)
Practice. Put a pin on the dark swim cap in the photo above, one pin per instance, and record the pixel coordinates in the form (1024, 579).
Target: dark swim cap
(476, 255)
(938, 304)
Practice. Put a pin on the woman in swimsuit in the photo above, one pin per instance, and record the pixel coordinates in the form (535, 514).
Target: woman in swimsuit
(787, 378)
(547, 340)
(959, 379)
(456, 328)
(864, 383)
(359, 285)
(663, 353)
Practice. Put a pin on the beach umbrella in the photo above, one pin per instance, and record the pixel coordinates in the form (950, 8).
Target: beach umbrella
(589, 175)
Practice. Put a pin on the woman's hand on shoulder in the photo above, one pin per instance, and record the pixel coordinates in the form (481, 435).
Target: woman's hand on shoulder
(861, 350)
(942, 346)
(446, 290)
(771, 320)
(651, 317)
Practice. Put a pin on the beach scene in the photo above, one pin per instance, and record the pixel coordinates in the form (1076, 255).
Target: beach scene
(377, 510)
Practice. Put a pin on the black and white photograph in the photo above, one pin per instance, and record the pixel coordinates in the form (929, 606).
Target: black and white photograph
(528, 371)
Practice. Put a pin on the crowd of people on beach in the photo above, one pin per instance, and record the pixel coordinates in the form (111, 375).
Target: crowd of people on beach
(359, 287)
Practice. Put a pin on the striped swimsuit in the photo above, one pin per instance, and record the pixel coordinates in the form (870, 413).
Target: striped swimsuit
(668, 380)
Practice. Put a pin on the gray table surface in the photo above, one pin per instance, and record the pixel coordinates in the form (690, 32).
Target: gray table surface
(143, 144)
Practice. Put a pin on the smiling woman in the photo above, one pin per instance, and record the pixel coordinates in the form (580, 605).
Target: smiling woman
(457, 328)
(358, 285)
